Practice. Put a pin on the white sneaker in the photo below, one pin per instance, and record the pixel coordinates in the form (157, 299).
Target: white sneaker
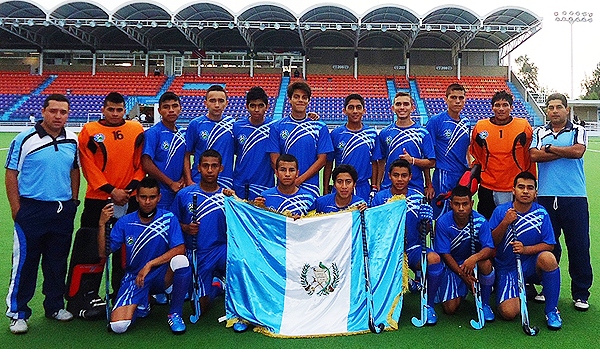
(581, 304)
(62, 315)
(18, 326)
(540, 298)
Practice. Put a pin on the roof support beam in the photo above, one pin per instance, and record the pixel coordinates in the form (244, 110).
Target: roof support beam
(72, 30)
(25, 34)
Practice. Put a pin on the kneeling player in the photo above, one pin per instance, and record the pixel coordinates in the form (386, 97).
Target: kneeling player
(400, 174)
(155, 259)
(463, 239)
(523, 226)
(344, 182)
(287, 197)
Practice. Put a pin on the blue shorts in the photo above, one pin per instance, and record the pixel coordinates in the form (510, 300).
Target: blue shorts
(452, 287)
(209, 265)
(413, 255)
(130, 293)
(507, 281)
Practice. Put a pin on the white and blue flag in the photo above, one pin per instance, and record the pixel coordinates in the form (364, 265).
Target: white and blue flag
(306, 277)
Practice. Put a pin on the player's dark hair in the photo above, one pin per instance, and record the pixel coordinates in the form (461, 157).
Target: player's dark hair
(558, 96)
(401, 163)
(354, 96)
(148, 182)
(55, 97)
(525, 175)
(402, 94)
(168, 96)
(345, 168)
(114, 97)
(460, 191)
(454, 87)
(286, 158)
(217, 88)
(210, 153)
(298, 85)
(255, 93)
(502, 95)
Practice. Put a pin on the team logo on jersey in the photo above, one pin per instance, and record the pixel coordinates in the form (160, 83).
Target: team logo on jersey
(483, 134)
(388, 140)
(341, 145)
(99, 137)
(448, 133)
(204, 134)
(242, 139)
(320, 279)
(284, 134)
(129, 240)
(190, 208)
(165, 145)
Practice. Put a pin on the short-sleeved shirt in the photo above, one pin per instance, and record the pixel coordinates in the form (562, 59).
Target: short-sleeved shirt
(532, 227)
(357, 148)
(561, 177)
(166, 148)
(299, 203)
(203, 134)
(145, 242)
(502, 151)
(44, 163)
(451, 140)
(450, 239)
(253, 161)
(210, 213)
(415, 140)
(305, 139)
(326, 203)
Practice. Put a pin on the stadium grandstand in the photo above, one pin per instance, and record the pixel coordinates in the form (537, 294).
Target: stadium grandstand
(142, 49)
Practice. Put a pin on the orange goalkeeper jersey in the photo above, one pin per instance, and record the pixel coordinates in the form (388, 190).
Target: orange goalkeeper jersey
(502, 151)
(110, 157)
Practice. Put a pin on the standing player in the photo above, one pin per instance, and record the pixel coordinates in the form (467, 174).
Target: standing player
(253, 172)
(307, 140)
(155, 258)
(355, 144)
(500, 145)
(164, 150)
(406, 140)
(211, 131)
(523, 226)
(211, 241)
(454, 234)
(400, 172)
(344, 182)
(451, 137)
(110, 150)
(287, 197)
(42, 184)
(558, 148)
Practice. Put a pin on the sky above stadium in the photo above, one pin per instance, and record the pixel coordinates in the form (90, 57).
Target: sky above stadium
(549, 49)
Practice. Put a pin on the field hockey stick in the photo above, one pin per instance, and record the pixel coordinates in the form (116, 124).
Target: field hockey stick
(527, 328)
(247, 191)
(196, 286)
(424, 228)
(374, 328)
(478, 325)
(107, 261)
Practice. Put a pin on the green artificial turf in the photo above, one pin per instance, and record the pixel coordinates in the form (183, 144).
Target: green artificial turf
(579, 329)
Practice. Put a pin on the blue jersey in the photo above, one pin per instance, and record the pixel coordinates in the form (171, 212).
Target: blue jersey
(356, 148)
(450, 239)
(413, 201)
(211, 216)
(166, 148)
(326, 203)
(451, 141)
(299, 203)
(305, 139)
(253, 162)
(532, 227)
(145, 242)
(417, 143)
(44, 163)
(203, 134)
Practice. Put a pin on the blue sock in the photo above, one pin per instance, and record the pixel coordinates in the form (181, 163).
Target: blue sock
(181, 282)
(486, 282)
(551, 283)
(434, 278)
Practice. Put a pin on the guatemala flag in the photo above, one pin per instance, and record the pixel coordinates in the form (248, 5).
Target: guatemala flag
(306, 277)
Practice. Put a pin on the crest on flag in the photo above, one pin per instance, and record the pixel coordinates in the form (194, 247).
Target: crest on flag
(319, 279)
